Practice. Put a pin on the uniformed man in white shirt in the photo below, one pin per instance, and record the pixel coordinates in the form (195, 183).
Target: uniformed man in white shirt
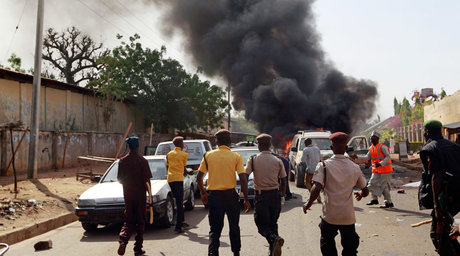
(338, 176)
(268, 170)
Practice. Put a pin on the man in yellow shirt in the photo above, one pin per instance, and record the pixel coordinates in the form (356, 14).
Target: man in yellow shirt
(176, 160)
(223, 199)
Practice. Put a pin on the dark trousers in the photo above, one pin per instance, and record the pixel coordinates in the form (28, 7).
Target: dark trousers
(267, 208)
(177, 188)
(221, 202)
(444, 245)
(135, 221)
(349, 239)
(288, 191)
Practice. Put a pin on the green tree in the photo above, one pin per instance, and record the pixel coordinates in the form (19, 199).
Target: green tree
(443, 93)
(406, 112)
(167, 94)
(396, 107)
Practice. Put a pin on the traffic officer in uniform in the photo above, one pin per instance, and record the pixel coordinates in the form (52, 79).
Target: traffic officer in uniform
(221, 165)
(267, 169)
(338, 176)
(134, 174)
(176, 160)
(382, 170)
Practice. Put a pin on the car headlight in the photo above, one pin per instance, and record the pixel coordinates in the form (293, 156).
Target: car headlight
(86, 202)
(251, 184)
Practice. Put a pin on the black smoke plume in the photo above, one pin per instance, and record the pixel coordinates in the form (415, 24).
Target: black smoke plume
(268, 50)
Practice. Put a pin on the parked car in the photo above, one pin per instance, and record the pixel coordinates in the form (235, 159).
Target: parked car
(195, 149)
(104, 203)
(359, 145)
(245, 144)
(319, 139)
(246, 153)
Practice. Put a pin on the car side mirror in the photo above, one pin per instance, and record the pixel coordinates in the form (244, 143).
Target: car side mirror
(350, 149)
(97, 178)
(294, 149)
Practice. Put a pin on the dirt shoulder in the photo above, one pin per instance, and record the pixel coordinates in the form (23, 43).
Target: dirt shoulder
(51, 195)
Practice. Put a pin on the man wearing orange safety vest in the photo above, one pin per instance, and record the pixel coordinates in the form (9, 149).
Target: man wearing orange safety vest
(382, 170)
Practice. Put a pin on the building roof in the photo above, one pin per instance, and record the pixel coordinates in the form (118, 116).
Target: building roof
(452, 126)
(26, 78)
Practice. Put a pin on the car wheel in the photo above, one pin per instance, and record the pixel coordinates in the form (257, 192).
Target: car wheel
(89, 226)
(300, 178)
(190, 204)
(167, 220)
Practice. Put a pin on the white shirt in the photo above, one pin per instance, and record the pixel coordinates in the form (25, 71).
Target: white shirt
(311, 156)
(342, 175)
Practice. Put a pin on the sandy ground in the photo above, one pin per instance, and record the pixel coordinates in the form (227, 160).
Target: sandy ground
(52, 194)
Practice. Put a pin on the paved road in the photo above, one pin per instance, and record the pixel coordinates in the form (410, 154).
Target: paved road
(382, 232)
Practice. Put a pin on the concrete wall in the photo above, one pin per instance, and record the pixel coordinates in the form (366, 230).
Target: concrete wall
(62, 108)
(51, 147)
(447, 110)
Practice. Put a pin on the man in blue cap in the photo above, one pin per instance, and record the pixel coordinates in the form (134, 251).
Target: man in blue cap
(439, 188)
(134, 174)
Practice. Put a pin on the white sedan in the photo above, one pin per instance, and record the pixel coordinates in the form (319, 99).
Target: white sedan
(104, 202)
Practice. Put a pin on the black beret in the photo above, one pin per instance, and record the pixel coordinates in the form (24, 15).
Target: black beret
(339, 138)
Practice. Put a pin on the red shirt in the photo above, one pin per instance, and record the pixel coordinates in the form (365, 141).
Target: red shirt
(133, 174)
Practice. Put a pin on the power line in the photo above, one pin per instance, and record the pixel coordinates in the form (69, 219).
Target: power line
(102, 17)
(127, 21)
(141, 21)
(16, 30)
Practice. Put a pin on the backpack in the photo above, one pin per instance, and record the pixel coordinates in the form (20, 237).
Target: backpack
(447, 154)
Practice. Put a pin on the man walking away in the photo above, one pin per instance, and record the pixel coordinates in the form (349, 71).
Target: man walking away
(221, 165)
(440, 186)
(133, 174)
(288, 195)
(382, 170)
(311, 156)
(338, 176)
(176, 160)
(267, 169)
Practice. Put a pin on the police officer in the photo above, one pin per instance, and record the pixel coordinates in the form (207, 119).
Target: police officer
(338, 176)
(382, 170)
(267, 169)
(176, 160)
(221, 165)
(134, 174)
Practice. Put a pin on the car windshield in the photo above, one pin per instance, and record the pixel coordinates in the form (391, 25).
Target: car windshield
(157, 168)
(193, 149)
(246, 154)
(321, 143)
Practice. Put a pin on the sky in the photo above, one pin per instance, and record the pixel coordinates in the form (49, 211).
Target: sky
(400, 45)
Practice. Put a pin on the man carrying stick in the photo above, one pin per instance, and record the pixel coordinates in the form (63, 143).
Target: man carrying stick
(134, 174)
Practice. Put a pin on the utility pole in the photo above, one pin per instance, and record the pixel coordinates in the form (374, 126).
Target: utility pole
(35, 107)
(229, 106)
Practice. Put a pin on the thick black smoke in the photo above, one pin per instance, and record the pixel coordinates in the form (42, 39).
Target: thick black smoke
(269, 52)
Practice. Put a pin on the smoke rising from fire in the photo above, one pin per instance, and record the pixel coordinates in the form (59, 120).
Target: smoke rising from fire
(269, 52)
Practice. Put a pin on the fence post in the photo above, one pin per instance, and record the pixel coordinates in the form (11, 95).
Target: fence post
(54, 150)
(3, 152)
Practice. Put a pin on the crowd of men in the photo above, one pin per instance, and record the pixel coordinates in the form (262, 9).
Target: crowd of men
(337, 177)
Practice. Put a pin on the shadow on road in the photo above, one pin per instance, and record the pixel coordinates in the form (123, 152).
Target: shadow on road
(44, 189)
(409, 213)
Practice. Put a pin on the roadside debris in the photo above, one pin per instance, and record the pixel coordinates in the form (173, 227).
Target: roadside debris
(11, 209)
(401, 191)
(43, 245)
